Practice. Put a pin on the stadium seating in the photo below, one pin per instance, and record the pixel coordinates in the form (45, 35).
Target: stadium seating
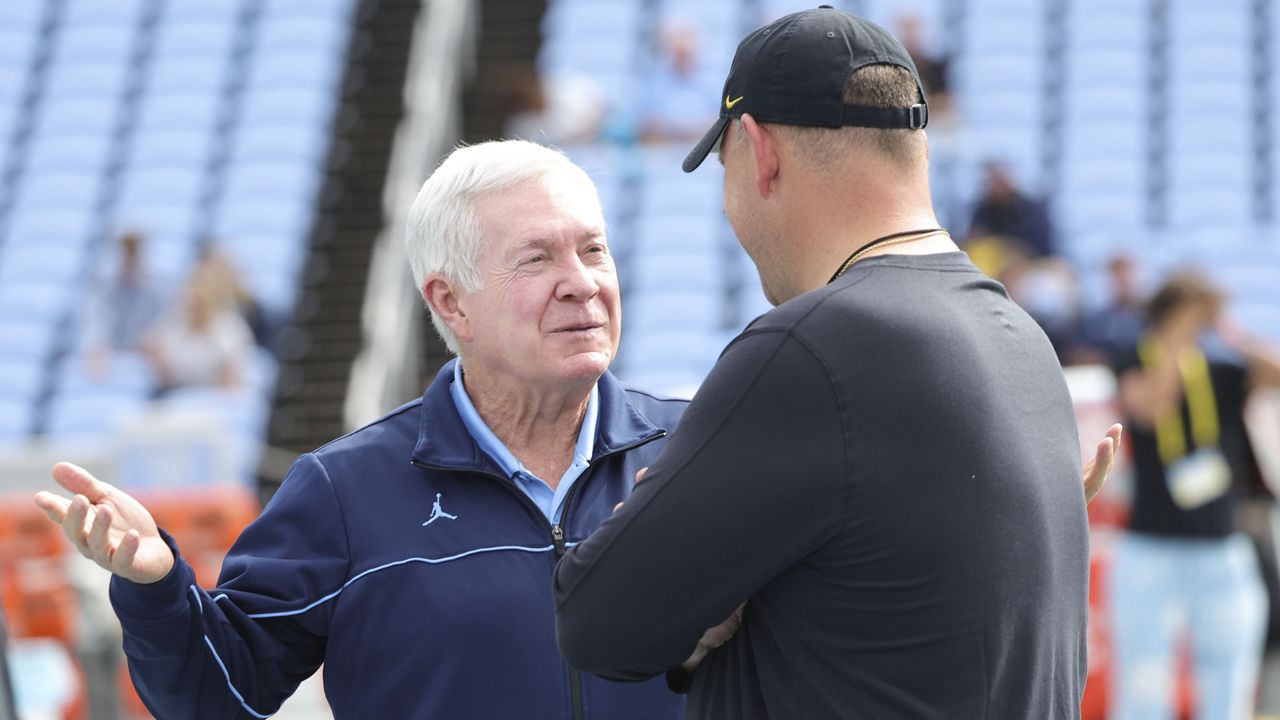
(190, 121)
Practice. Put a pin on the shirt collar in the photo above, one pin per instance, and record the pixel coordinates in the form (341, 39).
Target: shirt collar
(496, 449)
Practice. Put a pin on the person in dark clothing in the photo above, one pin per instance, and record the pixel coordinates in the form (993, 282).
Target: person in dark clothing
(1007, 213)
(882, 473)
(8, 710)
(1182, 564)
(1115, 328)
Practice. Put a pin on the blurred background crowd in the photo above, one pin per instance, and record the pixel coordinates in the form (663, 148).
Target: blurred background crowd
(201, 205)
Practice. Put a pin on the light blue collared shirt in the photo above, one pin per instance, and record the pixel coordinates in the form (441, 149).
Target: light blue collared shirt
(550, 502)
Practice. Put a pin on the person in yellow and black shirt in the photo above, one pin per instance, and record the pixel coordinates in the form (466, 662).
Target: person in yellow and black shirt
(1182, 566)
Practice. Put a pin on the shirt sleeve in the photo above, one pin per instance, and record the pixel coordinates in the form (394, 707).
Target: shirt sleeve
(752, 480)
(240, 650)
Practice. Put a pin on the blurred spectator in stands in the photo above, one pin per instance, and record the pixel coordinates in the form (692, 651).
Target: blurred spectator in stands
(675, 108)
(1183, 565)
(560, 109)
(128, 305)
(1010, 217)
(1047, 288)
(1113, 329)
(933, 66)
(206, 343)
(218, 269)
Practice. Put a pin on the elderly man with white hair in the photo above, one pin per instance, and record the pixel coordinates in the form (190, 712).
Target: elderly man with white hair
(414, 556)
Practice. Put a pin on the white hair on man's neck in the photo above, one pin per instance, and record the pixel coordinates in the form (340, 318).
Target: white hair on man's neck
(443, 233)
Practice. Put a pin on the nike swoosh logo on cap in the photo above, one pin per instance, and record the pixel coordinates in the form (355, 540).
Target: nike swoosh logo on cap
(728, 104)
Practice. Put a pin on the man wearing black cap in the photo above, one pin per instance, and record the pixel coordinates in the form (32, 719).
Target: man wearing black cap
(885, 467)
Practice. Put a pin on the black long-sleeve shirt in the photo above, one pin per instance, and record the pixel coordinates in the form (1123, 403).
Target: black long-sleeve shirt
(887, 470)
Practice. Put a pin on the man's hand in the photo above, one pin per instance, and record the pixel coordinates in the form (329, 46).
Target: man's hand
(1098, 468)
(714, 638)
(107, 526)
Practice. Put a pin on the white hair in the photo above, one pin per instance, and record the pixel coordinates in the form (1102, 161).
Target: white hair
(443, 234)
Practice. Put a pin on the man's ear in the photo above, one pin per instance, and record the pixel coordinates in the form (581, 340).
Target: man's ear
(764, 148)
(442, 296)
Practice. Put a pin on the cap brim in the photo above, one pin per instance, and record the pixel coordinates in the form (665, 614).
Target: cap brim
(708, 141)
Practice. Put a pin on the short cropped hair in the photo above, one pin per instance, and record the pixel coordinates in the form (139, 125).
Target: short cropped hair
(879, 86)
(443, 233)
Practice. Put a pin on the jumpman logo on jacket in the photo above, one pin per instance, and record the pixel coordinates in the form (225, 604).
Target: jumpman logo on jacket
(437, 513)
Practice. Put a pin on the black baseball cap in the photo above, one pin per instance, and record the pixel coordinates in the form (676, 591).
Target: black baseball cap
(793, 72)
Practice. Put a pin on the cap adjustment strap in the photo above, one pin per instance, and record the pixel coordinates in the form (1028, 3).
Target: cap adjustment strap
(912, 118)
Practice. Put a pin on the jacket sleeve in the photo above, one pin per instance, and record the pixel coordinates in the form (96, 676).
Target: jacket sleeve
(240, 650)
(751, 482)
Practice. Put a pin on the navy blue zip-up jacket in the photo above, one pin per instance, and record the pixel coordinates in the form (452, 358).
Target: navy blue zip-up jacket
(451, 618)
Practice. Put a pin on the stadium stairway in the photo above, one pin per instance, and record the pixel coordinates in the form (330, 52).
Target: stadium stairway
(318, 350)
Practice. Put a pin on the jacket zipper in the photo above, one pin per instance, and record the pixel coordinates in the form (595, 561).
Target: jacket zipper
(557, 539)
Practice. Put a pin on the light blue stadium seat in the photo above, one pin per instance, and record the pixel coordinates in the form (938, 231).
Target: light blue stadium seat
(176, 185)
(76, 115)
(1204, 134)
(663, 232)
(1010, 31)
(124, 373)
(279, 216)
(67, 189)
(321, 34)
(1221, 23)
(689, 311)
(13, 79)
(288, 106)
(600, 19)
(1089, 139)
(171, 148)
(157, 219)
(76, 153)
(87, 79)
(1084, 213)
(1203, 171)
(205, 74)
(1211, 64)
(259, 181)
(21, 377)
(25, 339)
(206, 10)
(94, 12)
(64, 224)
(36, 299)
(195, 111)
(87, 413)
(265, 253)
(675, 270)
(15, 419)
(210, 38)
(1004, 72)
(334, 9)
(1103, 24)
(693, 353)
(302, 69)
(697, 193)
(22, 14)
(1125, 69)
(1096, 105)
(300, 142)
(1102, 175)
(90, 43)
(54, 262)
(1203, 207)
(994, 107)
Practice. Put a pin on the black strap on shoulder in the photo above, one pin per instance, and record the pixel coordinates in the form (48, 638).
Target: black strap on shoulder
(912, 118)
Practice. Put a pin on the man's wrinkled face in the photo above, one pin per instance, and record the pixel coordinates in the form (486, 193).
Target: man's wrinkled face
(549, 310)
